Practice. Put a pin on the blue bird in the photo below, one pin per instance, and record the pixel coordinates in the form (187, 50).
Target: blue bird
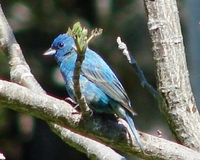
(101, 88)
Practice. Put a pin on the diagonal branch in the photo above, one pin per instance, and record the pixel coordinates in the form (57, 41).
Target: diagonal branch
(19, 69)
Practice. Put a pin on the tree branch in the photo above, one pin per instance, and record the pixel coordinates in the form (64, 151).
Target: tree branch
(177, 103)
(97, 151)
(59, 112)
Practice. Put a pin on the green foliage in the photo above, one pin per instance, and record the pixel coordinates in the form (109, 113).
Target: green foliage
(80, 36)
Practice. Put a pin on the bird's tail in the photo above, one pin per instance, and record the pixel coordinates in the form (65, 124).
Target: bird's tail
(134, 131)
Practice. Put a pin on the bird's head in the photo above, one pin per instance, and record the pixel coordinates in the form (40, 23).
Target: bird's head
(61, 46)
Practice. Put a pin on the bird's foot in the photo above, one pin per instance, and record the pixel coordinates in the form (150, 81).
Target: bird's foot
(68, 99)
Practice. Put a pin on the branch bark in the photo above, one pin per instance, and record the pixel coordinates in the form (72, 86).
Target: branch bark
(177, 101)
(59, 112)
(97, 151)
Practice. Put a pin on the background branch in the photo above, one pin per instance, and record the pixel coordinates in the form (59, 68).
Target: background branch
(122, 46)
(177, 103)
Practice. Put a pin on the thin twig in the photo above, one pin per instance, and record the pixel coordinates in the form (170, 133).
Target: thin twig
(85, 110)
(79, 35)
(122, 46)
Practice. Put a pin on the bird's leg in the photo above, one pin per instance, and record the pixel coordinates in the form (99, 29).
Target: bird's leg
(76, 106)
(68, 99)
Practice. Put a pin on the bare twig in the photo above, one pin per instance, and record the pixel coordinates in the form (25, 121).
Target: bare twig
(122, 46)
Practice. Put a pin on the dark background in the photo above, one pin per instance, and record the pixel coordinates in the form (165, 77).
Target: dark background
(37, 23)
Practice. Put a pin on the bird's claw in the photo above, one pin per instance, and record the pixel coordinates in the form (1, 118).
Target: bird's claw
(71, 100)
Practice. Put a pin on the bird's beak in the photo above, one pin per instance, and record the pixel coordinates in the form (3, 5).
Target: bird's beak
(50, 52)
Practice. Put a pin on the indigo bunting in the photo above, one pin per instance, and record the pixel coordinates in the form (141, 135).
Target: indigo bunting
(102, 90)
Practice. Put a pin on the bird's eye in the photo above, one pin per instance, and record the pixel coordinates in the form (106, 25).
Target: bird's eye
(60, 45)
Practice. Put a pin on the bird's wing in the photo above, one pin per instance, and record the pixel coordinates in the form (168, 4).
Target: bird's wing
(97, 71)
